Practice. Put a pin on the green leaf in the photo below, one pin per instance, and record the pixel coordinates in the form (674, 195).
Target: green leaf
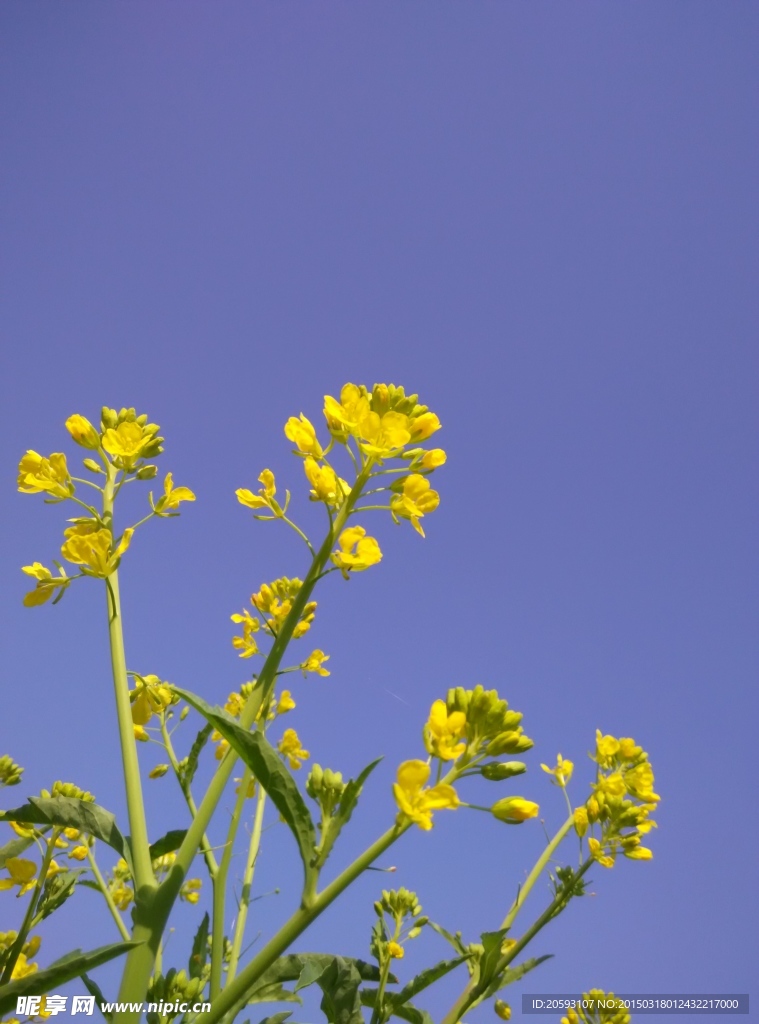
(263, 760)
(94, 990)
(488, 961)
(454, 940)
(73, 965)
(341, 1002)
(406, 1012)
(274, 993)
(426, 978)
(278, 1018)
(57, 890)
(67, 812)
(199, 953)
(168, 843)
(512, 974)
(191, 766)
(13, 849)
(345, 809)
(306, 968)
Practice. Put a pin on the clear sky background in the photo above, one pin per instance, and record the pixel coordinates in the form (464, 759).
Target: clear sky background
(543, 217)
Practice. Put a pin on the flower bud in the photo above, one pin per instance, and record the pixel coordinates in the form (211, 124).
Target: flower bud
(108, 417)
(159, 771)
(513, 810)
(146, 472)
(83, 431)
(502, 1010)
(497, 771)
(93, 466)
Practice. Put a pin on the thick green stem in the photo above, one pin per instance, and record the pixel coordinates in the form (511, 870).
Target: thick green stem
(220, 889)
(236, 990)
(247, 884)
(107, 896)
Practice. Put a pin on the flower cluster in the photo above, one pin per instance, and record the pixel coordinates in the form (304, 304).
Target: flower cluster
(23, 966)
(621, 802)
(123, 443)
(10, 772)
(399, 919)
(274, 602)
(597, 1007)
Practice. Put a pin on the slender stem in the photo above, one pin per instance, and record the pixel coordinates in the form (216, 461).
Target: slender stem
(220, 889)
(81, 480)
(247, 883)
(143, 869)
(536, 872)
(300, 534)
(205, 846)
(26, 924)
(107, 896)
(236, 990)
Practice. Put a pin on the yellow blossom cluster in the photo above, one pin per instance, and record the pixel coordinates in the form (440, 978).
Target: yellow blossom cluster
(24, 965)
(621, 802)
(151, 696)
(597, 1007)
(274, 602)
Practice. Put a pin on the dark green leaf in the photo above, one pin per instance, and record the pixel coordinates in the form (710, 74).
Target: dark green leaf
(94, 990)
(263, 760)
(168, 843)
(341, 1002)
(488, 961)
(199, 954)
(191, 765)
(426, 978)
(512, 974)
(293, 968)
(406, 1012)
(274, 993)
(67, 812)
(73, 965)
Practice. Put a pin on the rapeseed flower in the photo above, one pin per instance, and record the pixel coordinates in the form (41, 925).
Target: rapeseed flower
(83, 432)
(513, 810)
(38, 475)
(315, 663)
(417, 803)
(444, 731)
(356, 551)
(265, 496)
(21, 872)
(172, 496)
(562, 772)
(91, 546)
(415, 500)
(302, 434)
(290, 747)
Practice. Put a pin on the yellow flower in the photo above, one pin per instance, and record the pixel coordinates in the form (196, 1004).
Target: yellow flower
(443, 732)
(39, 475)
(433, 459)
(315, 663)
(357, 551)
(128, 441)
(122, 896)
(513, 810)
(640, 783)
(140, 734)
(78, 853)
(83, 431)
(265, 495)
(47, 584)
(581, 821)
(172, 496)
(90, 546)
(638, 853)
(190, 891)
(343, 417)
(22, 968)
(424, 426)
(21, 872)
(290, 747)
(149, 697)
(607, 747)
(395, 951)
(25, 831)
(597, 852)
(235, 704)
(246, 643)
(415, 500)
(285, 703)
(326, 485)
(72, 833)
(302, 434)
(222, 745)
(562, 773)
(414, 801)
(383, 435)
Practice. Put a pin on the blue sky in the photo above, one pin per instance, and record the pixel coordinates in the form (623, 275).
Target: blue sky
(541, 217)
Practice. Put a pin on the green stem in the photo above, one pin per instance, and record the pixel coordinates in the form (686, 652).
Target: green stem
(247, 883)
(236, 990)
(107, 896)
(536, 872)
(26, 924)
(205, 845)
(220, 889)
